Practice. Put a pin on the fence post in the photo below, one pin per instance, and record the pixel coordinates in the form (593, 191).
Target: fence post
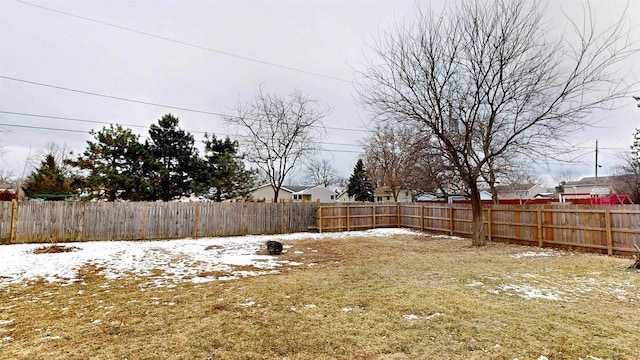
(539, 219)
(196, 220)
(451, 224)
(607, 221)
(348, 218)
(283, 218)
(421, 218)
(489, 225)
(373, 211)
(242, 225)
(84, 208)
(398, 215)
(14, 214)
(144, 220)
(320, 219)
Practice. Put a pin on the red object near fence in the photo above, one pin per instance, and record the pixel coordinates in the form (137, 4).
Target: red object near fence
(613, 199)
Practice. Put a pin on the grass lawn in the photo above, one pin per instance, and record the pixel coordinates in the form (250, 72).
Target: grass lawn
(400, 297)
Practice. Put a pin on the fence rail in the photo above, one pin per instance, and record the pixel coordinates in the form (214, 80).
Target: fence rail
(63, 221)
(608, 229)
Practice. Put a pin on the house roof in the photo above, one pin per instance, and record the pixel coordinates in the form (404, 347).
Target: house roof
(591, 180)
(4, 186)
(514, 187)
(295, 188)
(289, 188)
(308, 190)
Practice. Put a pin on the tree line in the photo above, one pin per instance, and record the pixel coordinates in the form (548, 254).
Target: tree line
(277, 134)
(117, 165)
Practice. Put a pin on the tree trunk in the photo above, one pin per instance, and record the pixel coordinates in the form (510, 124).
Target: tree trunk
(477, 224)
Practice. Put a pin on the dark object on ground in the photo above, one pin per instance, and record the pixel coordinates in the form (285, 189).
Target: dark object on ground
(636, 265)
(54, 249)
(274, 247)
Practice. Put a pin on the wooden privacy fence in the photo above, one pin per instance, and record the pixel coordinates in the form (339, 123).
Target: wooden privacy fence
(605, 229)
(64, 221)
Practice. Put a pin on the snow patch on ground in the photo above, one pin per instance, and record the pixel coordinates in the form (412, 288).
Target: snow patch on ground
(529, 292)
(535, 254)
(164, 262)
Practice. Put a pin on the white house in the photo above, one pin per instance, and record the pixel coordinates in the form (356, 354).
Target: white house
(519, 191)
(590, 184)
(294, 193)
(316, 193)
(380, 195)
(265, 192)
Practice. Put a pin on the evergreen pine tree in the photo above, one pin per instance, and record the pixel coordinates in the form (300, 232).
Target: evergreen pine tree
(47, 181)
(115, 163)
(360, 186)
(173, 162)
(223, 174)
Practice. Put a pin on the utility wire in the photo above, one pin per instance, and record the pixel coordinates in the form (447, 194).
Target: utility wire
(108, 96)
(263, 62)
(137, 126)
(86, 132)
(142, 102)
(43, 128)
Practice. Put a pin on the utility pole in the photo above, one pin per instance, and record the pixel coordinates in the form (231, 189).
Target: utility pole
(596, 162)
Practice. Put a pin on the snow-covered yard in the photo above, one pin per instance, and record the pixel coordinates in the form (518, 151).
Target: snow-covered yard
(165, 262)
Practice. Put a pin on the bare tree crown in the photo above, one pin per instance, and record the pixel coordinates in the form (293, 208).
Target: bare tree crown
(487, 79)
(277, 132)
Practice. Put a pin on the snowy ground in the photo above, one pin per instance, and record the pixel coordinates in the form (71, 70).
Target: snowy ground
(163, 262)
(168, 262)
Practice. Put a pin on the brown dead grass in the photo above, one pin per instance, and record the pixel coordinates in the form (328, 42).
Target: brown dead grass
(371, 298)
(53, 249)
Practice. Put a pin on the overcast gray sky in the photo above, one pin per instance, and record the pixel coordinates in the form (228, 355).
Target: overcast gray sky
(202, 56)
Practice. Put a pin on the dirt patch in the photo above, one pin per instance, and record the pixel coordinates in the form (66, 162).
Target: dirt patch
(54, 249)
(91, 273)
(215, 274)
(246, 268)
(214, 247)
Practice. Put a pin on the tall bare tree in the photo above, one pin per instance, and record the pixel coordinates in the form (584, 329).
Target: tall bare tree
(487, 79)
(320, 171)
(278, 132)
(389, 155)
(508, 170)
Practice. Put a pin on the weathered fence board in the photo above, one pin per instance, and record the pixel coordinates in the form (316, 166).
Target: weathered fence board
(611, 230)
(65, 221)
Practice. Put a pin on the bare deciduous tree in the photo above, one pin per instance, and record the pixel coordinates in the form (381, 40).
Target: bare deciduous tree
(487, 79)
(389, 155)
(320, 172)
(508, 170)
(278, 132)
(565, 175)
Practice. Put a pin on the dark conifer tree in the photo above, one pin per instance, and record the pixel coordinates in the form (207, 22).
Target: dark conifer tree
(173, 162)
(360, 186)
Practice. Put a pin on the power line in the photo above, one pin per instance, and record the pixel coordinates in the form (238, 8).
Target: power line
(263, 62)
(140, 101)
(137, 126)
(86, 132)
(108, 96)
(44, 128)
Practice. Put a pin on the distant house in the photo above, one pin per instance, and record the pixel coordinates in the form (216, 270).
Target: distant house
(294, 193)
(8, 192)
(380, 195)
(519, 191)
(316, 193)
(603, 185)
